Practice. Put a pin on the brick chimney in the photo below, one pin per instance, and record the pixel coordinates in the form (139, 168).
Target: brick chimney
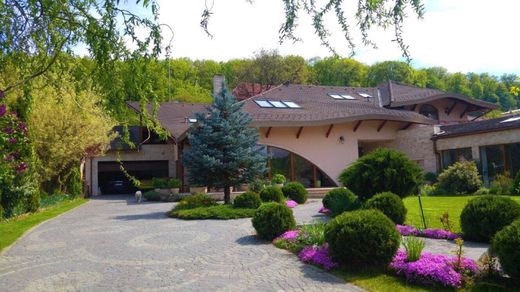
(218, 82)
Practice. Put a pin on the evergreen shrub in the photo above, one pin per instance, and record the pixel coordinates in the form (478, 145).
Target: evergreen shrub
(272, 219)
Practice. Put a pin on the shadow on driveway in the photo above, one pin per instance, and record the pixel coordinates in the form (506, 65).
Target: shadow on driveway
(148, 216)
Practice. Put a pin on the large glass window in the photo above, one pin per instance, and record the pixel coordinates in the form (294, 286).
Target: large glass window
(513, 158)
(296, 168)
(429, 111)
(451, 156)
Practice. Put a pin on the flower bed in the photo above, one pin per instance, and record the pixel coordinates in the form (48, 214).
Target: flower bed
(434, 269)
(407, 230)
(324, 210)
(291, 204)
(317, 255)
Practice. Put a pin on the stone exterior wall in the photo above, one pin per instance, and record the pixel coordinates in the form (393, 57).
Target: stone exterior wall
(147, 153)
(415, 142)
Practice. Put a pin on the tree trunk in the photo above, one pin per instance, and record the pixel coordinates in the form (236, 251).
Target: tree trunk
(227, 195)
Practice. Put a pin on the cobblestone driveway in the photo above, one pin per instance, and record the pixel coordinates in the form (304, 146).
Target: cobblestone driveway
(112, 244)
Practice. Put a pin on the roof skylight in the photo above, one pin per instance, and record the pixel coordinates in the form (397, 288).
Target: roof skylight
(341, 96)
(511, 119)
(192, 120)
(365, 95)
(278, 104)
(263, 103)
(292, 104)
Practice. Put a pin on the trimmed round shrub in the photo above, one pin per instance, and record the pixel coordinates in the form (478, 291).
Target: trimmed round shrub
(340, 200)
(505, 246)
(390, 204)
(363, 238)
(271, 194)
(380, 171)
(295, 191)
(272, 219)
(278, 179)
(195, 201)
(249, 200)
(515, 185)
(460, 178)
(484, 216)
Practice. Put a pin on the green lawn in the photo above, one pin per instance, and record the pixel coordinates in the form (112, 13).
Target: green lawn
(13, 229)
(434, 207)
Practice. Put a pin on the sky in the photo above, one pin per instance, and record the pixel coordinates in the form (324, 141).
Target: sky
(460, 35)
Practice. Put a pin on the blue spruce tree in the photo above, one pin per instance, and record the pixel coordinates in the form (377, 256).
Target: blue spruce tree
(224, 150)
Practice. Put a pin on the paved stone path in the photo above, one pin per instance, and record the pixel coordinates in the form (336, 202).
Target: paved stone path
(113, 244)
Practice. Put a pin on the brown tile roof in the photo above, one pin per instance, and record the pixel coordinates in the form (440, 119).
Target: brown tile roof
(395, 94)
(173, 115)
(491, 125)
(318, 108)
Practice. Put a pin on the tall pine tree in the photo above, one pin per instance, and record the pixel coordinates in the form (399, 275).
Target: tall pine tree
(224, 151)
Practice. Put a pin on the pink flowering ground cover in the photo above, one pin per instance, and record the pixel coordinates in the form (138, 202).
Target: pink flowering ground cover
(434, 269)
(291, 204)
(317, 255)
(407, 230)
(324, 210)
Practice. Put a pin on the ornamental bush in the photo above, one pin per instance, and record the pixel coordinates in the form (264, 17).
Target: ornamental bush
(195, 201)
(484, 216)
(515, 186)
(363, 238)
(460, 178)
(249, 200)
(295, 191)
(380, 171)
(279, 179)
(271, 194)
(390, 204)
(501, 185)
(272, 219)
(506, 246)
(340, 200)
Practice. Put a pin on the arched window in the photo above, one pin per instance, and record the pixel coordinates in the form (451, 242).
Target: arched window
(429, 111)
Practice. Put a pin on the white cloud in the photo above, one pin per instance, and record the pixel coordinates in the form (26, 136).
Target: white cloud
(462, 35)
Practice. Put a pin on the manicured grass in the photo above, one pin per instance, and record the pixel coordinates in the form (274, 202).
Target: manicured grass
(434, 207)
(223, 212)
(12, 229)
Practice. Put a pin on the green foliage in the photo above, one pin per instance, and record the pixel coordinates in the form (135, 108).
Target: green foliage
(272, 194)
(74, 185)
(431, 177)
(51, 200)
(312, 234)
(33, 202)
(152, 196)
(481, 192)
(363, 238)
(222, 212)
(414, 247)
(173, 183)
(340, 200)
(247, 200)
(195, 201)
(389, 70)
(159, 183)
(340, 72)
(380, 171)
(273, 219)
(390, 204)
(295, 191)
(483, 216)
(505, 244)
(501, 185)
(515, 185)
(278, 179)
(223, 150)
(460, 178)
(258, 184)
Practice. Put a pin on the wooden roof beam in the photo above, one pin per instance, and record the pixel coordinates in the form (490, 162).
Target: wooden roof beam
(268, 132)
(356, 126)
(329, 130)
(448, 112)
(465, 111)
(381, 125)
(299, 133)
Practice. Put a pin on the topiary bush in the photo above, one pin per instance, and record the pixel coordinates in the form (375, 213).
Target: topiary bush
(460, 178)
(340, 200)
(152, 196)
(390, 204)
(515, 185)
(271, 194)
(279, 179)
(195, 201)
(483, 216)
(505, 246)
(501, 185)
(380, 171)
(295, 191)
(273, 219)
(363, 238)
(249, 200)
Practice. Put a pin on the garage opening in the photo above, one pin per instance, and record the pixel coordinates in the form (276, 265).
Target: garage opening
(113, 181)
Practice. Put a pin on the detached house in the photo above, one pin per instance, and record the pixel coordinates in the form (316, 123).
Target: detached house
(313, 132)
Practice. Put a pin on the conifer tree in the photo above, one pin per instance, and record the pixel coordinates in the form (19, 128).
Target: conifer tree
(224, 150)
